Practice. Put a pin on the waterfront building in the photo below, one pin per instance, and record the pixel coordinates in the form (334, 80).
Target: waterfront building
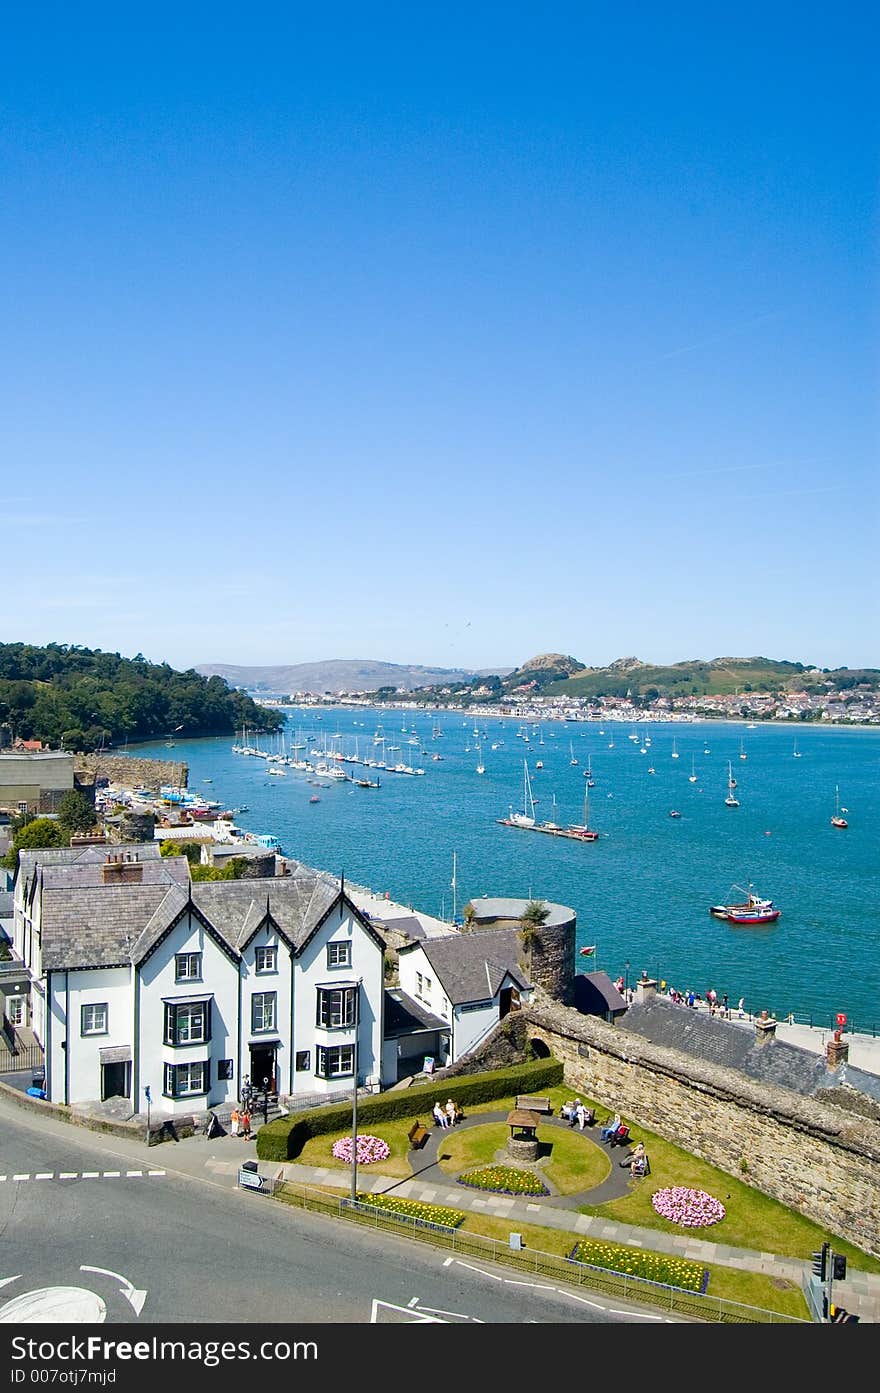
(34, 781)
(139, 978)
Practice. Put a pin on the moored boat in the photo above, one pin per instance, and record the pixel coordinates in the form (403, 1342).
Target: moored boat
(753, 910)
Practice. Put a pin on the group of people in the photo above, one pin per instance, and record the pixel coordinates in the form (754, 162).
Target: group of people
(240, 1122)
(718, 1006)
(447, 1116)
(577, 1114)
(637, 1160)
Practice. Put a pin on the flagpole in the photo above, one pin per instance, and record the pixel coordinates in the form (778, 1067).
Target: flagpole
(453, 888)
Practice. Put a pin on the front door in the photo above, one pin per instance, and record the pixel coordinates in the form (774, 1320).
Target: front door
(115, 1080)
(263, 1067)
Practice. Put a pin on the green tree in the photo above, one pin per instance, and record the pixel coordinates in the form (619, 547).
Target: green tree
(532, 918)
(37, 834)
(75, 813)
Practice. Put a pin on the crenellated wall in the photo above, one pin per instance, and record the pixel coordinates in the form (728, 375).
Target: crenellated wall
(818, 1158)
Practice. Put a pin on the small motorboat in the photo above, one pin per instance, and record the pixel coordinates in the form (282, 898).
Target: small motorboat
(314, 798)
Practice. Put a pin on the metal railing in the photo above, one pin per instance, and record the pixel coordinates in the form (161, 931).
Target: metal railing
(618, 1285)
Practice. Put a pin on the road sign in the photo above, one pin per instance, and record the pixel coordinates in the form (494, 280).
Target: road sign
(249, 1176)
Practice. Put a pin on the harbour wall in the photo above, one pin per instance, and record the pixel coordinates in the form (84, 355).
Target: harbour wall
(131, 771)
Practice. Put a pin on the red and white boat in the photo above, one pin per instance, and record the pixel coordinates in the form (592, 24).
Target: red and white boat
(752, 910)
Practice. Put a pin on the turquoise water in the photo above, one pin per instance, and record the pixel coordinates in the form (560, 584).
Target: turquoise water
(643, 890)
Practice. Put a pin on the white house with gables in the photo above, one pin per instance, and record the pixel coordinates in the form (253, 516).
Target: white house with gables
(141, 979)
(467, 981)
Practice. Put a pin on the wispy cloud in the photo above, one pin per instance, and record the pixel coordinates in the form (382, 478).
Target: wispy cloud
(720, 337)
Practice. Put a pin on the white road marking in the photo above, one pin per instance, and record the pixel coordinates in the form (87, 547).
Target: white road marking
(54, 1305)
(90, 1175)
(45, 1175)
(414, 1302)
(561, 1291)
(134, 1297)
(21, 1177)
(134, 1172)
(155, 1172)
(67, 1175)
(111, 1175)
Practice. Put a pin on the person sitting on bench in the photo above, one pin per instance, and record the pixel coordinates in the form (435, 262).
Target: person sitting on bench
(608, 1132)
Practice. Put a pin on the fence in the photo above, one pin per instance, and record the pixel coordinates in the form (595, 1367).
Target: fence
(17, 1057)
(618, 1285)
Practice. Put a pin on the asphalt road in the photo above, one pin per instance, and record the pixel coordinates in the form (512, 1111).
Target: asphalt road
(92, 1245)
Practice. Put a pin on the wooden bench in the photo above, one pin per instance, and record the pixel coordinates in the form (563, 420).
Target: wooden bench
(530, 1104)
(418, 1135)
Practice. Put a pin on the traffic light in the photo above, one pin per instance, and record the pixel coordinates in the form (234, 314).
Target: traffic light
(820, 1262)
(838, 1267)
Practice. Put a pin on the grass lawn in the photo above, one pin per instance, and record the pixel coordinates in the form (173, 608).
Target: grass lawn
(575, 1163)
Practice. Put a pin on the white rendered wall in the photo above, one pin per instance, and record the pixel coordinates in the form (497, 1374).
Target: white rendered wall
(367, 962)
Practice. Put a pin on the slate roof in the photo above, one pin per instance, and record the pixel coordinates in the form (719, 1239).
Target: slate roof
(80, 875)
(96, 926)
(237, 907)
(408, 925)
(404, 1016)
(595, 994)
(472, 966)
(733, 1046)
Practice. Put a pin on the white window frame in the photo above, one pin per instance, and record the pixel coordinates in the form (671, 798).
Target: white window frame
(339, 953)
(265, 1006)
(15, 1010)
(342, 1065)
(182, 964)
(174, 1073)
(337, 1008)
(190, 1025)
(92, 1008)
(266, 960)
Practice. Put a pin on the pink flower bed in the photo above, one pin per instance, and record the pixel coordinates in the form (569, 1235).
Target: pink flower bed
(368, 1149)
(693, 1209)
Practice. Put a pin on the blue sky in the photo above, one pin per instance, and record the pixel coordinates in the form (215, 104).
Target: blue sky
(440, 335)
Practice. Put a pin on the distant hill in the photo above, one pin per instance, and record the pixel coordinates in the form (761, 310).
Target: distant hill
(335, 675)
(558, 675)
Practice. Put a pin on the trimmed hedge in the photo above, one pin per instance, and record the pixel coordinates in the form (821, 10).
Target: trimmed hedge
(284, 1139)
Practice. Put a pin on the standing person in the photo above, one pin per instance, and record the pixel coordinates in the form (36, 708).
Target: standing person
(234, 1121)
(581, 1115)
(246, 1123)
(725, 1006)
(740, 1007)
(711, 997)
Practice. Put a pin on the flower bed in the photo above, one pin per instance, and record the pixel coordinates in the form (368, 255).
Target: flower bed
(415, 1209)
(369, 1149)
(693, 1209)
(504, 1180)
(634, 1262)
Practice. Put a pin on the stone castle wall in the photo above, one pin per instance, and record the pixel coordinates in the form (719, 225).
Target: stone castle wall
(131, 771)
(818, 1158)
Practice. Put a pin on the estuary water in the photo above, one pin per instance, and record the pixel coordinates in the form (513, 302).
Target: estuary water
(642, 892)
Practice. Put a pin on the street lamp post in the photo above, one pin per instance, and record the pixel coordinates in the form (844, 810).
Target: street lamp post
(626, 979)
(354, 1097)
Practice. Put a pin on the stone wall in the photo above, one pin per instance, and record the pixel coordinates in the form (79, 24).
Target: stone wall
(808, 1153)
(131, 771)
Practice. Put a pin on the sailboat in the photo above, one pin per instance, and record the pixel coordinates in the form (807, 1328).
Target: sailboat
(837, 820)
(795, 754)
(692, 776)
(742, 753)
(731, 800)
(674, 750)
(527, 817)
(573, 759)
(591, 783)
(582, 830)
(481, 768)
